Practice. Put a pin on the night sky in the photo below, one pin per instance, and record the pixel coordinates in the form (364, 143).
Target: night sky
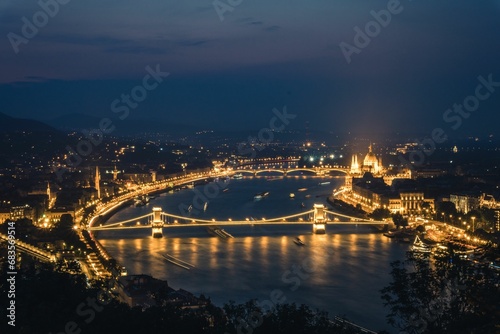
(265, 54)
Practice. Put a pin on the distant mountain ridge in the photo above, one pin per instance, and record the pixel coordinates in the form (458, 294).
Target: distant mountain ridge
(9, 124)
(78, 122)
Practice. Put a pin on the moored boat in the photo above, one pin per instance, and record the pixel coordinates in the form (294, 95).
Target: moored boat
(419, 246)
(141, 200)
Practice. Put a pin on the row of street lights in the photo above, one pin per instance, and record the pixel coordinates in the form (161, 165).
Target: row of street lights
(460, 219)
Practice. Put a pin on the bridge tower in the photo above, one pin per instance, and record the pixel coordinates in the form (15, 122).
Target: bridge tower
(157, 223)
(319, 219)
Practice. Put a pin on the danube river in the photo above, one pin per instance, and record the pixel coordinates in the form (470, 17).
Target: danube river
(341, 272)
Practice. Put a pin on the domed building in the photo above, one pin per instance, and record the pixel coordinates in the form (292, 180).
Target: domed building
(371, 163)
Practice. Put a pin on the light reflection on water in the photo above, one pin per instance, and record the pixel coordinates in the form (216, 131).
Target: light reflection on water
(350, 264)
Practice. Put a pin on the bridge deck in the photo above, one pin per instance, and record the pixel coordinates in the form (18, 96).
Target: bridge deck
(234, 223)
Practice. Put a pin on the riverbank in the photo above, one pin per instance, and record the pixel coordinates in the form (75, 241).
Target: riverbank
(348, 209)
(345, 208)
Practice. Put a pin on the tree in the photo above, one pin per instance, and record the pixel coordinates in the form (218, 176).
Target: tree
(281, 318)
(447, 208)
(420, 228)
(65, 230)
(380, 214)
(427, 209)
(441, 297)
(399, 220)
(359, 207)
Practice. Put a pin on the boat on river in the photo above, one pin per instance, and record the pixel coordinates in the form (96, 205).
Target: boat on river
(219, 232)
(261, 195)
(298, 242)
(141, 200)
(419, 246)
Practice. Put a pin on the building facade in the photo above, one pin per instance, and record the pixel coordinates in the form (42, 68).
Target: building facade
(465, 202)
(373, 193)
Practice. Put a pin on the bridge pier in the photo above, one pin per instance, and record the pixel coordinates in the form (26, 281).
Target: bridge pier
(319, 219)
(157, 223)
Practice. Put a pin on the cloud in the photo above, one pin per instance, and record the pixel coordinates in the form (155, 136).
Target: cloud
(84, 39)
(137, 50)
(191, 42)
(272, 28)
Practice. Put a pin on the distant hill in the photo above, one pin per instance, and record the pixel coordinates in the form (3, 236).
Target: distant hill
(77, 122)
(26, 141)
(10, 124)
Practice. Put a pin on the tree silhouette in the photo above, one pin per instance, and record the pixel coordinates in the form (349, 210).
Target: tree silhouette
(380, 214)
(441, 297)
(399, 220)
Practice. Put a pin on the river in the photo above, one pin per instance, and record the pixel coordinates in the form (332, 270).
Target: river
(341, 272)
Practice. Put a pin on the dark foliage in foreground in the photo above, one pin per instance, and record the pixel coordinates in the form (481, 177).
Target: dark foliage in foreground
(442, 296)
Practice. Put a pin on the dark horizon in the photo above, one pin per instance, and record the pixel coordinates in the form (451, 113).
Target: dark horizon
(230, 74)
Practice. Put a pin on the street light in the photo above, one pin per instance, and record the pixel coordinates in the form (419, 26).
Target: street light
(473, 227)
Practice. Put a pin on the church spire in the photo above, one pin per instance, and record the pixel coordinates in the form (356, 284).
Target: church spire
(96, 180)
(354, 164)
(48, 195)
(115, 174)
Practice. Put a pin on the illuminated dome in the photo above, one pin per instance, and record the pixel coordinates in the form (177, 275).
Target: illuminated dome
(371, 162)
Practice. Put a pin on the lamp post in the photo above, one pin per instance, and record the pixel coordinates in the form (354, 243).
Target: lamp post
(184, 165)
(473, 226)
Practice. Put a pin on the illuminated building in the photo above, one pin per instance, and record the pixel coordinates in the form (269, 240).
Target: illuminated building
(371, 163)
(373, 193)
(355, 165)
(466, 202)
(97, 183)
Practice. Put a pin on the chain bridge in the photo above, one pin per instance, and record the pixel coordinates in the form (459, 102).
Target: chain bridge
(158, 220)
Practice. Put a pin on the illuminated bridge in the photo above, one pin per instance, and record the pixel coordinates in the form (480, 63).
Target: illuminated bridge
(286, 171)
(26, 248)
(318, 217)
